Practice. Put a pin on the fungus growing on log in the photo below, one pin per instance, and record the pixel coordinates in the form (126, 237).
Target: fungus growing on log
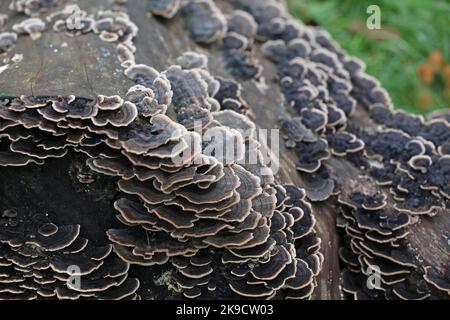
(164, 8)
(204, 21)
(31, 26)
(33, 7)
(7, 41)
(163, 142)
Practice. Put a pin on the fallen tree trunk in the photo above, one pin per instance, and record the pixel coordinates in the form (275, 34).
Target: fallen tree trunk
(377, 179)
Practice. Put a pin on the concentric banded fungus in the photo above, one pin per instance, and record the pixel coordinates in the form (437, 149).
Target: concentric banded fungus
(317, 78)
(211, 226)
(229, 96)
(193, 60)
(33, 7)
(242, 23)
(7, 41)
(32, 27)
(229, 212)
(204, 20)
(112, 26)
(64, 21)
(164, 8)
(47, 254)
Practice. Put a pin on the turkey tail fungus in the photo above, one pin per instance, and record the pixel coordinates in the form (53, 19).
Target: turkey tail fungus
(117, 179)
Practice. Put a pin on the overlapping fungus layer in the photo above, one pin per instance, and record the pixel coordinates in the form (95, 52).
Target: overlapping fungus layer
(222, 225)
(402, 162)
(225, 228)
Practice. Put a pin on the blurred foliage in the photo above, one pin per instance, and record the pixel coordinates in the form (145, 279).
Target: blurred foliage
(414, 37)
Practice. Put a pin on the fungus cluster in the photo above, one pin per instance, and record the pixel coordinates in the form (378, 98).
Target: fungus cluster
(213, 213)
(222, 225)
(403, 161)
(229, 96)
(42, 260)
(375, 233)
(33, 7)
(204, 20)
(314, 84)
(32, 27)
(3, 19)
(164, 8)
(64, 21)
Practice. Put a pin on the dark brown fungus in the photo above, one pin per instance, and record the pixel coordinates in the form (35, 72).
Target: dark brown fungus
(343, 143)
(438, 279)
(204, 20)
(192, 60)
(161, 131)
(7, 41)
(121, 117)
(3, 19)
(31, 26)
(295, 131)
(33, 7)
(318, 186)
(243, 23)
(114, 26)
(311, 155)
(164, 8)
(29, 147)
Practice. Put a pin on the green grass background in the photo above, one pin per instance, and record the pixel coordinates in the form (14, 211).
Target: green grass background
(423, 25)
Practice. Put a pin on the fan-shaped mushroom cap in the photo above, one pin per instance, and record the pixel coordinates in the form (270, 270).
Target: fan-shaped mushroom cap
(34, 7)
(204, 20)
(145, 191)
(192, 60)
(30, 26)
(142, 74)
(243, 23)
(251, 291)
(229, 96)
(437, 279)
(310, 155)
(164, 8)
(109, 103)
(3, 19)
(318, 186)
(161, 131)
(343, 142)
(29, 147)
(7, 41)
(9, 158)
(236, 121)
(114, 26)
(121, 117)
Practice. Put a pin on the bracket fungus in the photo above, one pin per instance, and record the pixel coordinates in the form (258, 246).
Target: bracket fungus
(7, 41)
(163, 154)
(164, 8)
(31, 26)
(204, 20)
(33, 7)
